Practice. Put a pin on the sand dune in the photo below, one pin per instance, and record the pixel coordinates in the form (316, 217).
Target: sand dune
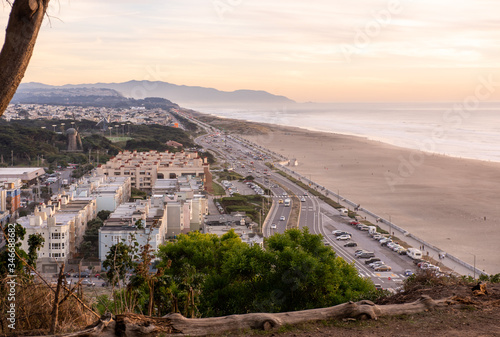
(450, 202)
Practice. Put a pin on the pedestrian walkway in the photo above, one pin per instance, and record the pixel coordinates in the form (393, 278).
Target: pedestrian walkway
(456, 265)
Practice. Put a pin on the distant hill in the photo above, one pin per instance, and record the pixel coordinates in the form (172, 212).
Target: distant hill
(38, 93)
(187, 96)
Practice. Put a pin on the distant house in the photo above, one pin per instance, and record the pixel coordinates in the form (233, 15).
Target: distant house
(173, 143)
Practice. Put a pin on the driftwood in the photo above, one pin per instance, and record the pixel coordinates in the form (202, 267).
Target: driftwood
(131, 325)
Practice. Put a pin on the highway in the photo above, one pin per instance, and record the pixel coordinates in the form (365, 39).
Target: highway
(315, 214)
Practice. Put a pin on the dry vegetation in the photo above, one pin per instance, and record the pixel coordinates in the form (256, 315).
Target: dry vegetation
(34, 303)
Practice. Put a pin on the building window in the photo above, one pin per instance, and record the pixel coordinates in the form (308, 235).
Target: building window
(55, 246)
(56, 236)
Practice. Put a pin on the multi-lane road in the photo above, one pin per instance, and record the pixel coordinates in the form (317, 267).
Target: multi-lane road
(315, 214)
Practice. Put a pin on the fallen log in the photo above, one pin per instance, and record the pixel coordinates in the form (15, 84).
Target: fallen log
(132, 325)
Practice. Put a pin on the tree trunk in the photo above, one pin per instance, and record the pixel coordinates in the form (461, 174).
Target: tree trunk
(131, 325)
(55, 307)
(25, 20)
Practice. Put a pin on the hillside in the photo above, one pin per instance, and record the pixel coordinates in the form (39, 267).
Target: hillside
(184, 95)
(96, 97)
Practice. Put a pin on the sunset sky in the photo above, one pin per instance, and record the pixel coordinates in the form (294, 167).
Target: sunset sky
(320, 50)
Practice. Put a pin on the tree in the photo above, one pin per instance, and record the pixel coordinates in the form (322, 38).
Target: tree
(295, 271)
(25, 19)
(103, 215)
(118, 262)
(35, 242)
(5, 257)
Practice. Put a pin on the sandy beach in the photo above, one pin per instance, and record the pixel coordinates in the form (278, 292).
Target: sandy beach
(450, 202)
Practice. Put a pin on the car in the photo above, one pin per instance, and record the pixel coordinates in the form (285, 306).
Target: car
(378, 287)
(408, 272)
(344, 237)
(383, 268)
(88, 283)
(83, 274)
(359, 251)
(373, 259)
(374, 265)
(337, 231)
(273, 226)
(302, 199)
(351, 244)
(365, 255)
(282, 218)
(402, 251)
(354, 223)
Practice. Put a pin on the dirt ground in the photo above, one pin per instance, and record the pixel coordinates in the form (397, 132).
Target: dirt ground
(478, 316)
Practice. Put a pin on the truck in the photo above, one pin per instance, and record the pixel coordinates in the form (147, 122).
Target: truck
(372, 230)
(414, 253)
(287, 202)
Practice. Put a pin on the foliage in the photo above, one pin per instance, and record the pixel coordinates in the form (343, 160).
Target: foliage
(81, 170)
(103, 215)
(35, 242)
(295, 271)
(118, 262)
(5, 258)
(137, 194)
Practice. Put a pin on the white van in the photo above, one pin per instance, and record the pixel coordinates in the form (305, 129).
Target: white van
(372, 230)
(414, 253)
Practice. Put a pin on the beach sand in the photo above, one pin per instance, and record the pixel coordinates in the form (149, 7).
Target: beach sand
(449, 202)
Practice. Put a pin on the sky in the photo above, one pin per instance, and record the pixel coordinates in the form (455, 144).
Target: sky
(317, 50)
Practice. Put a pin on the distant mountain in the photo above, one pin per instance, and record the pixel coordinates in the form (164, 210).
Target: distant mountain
(187, 96)
(38, 93)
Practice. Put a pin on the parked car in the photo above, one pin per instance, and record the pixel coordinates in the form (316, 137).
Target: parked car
(83, 274)
(383, 268)
(408, 272)
(351, 244)
(354, 223)
(337, 231)
(366, 255)
(373, 259)
(344, 237)
(374, 265)
(402, 251)
(88, 283)
(359, 251)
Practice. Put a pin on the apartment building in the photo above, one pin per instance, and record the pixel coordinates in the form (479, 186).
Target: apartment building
(140, 221)
(10, 196)
(144, 168)
(62, 223)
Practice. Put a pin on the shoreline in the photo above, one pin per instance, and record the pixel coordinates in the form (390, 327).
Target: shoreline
(430, 141)
(449, 202)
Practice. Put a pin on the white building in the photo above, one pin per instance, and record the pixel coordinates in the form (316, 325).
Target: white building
(62, 223)
(123, 225)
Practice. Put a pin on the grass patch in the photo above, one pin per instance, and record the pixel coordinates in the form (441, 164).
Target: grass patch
(218, 189)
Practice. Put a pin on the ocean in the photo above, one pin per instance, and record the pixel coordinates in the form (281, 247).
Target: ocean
(451, 129)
